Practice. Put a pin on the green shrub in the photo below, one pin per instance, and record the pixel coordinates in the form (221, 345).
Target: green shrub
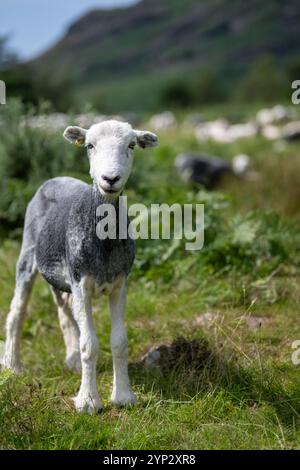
(177, 94)
(208, 88)
(266, 81)
(28, 157)
(200, 88)
(256, 244)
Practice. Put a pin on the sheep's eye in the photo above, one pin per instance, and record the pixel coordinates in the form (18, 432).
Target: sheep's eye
(90, 146)
(131, 145)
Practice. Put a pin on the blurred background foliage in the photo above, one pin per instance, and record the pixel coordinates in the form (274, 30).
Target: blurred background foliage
(178, 56)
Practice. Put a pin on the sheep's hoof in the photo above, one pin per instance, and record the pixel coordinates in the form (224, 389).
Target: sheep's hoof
(87, 404)
(123, 398)
(73, 362)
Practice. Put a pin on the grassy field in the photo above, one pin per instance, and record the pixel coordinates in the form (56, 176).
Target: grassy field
(231, 312)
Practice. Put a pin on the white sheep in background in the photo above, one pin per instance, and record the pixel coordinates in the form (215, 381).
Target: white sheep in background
(221, 131)
(271, 132)
(291, 131)
(163, 121)
(278, 113)
(215, 130)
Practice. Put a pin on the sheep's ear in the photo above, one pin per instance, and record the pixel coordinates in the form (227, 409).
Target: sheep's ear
(146, 139)
(75, 135)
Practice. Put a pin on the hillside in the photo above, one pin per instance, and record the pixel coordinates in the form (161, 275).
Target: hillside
(170, 37)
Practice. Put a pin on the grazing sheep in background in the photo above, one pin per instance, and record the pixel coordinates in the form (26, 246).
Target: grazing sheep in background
(60, 242)
(221, 131)
(163, 121)
(291, 131)
(278, 113)
(271, 132)
(215, 130)
(207, 170)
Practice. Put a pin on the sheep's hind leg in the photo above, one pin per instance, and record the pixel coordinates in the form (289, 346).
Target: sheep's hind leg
(26, 272)
(69, 329)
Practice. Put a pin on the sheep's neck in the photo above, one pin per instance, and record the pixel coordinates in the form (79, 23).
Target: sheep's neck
(98, 199)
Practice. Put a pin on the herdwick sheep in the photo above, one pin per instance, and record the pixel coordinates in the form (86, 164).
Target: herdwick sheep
(221, 131)
(60, 242)
(163, 121)
(278, 113)
(207, 170)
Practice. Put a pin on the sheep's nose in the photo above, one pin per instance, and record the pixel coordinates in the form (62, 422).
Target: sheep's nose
(109, 180)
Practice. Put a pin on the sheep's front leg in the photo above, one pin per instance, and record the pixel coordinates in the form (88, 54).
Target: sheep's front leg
(87, 398)
(121, 393)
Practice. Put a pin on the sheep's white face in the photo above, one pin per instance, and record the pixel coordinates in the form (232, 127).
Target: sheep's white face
(110, 146)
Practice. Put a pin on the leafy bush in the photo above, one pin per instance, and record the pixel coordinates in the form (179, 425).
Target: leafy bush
(255, 244)
(258, 242)
(266, 82)
(176, 94)
(208, 87)
(201, 88)
(15, 195)
(29, 156)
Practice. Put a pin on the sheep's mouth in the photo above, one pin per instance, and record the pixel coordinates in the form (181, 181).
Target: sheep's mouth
(108, 192)
(111, 191)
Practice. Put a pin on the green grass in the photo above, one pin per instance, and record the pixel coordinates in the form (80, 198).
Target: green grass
(242, 392)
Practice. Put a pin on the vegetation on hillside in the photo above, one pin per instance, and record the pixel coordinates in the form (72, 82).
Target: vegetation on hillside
(185, 54)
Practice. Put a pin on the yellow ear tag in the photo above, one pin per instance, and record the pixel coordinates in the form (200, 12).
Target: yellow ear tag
(79, 142)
